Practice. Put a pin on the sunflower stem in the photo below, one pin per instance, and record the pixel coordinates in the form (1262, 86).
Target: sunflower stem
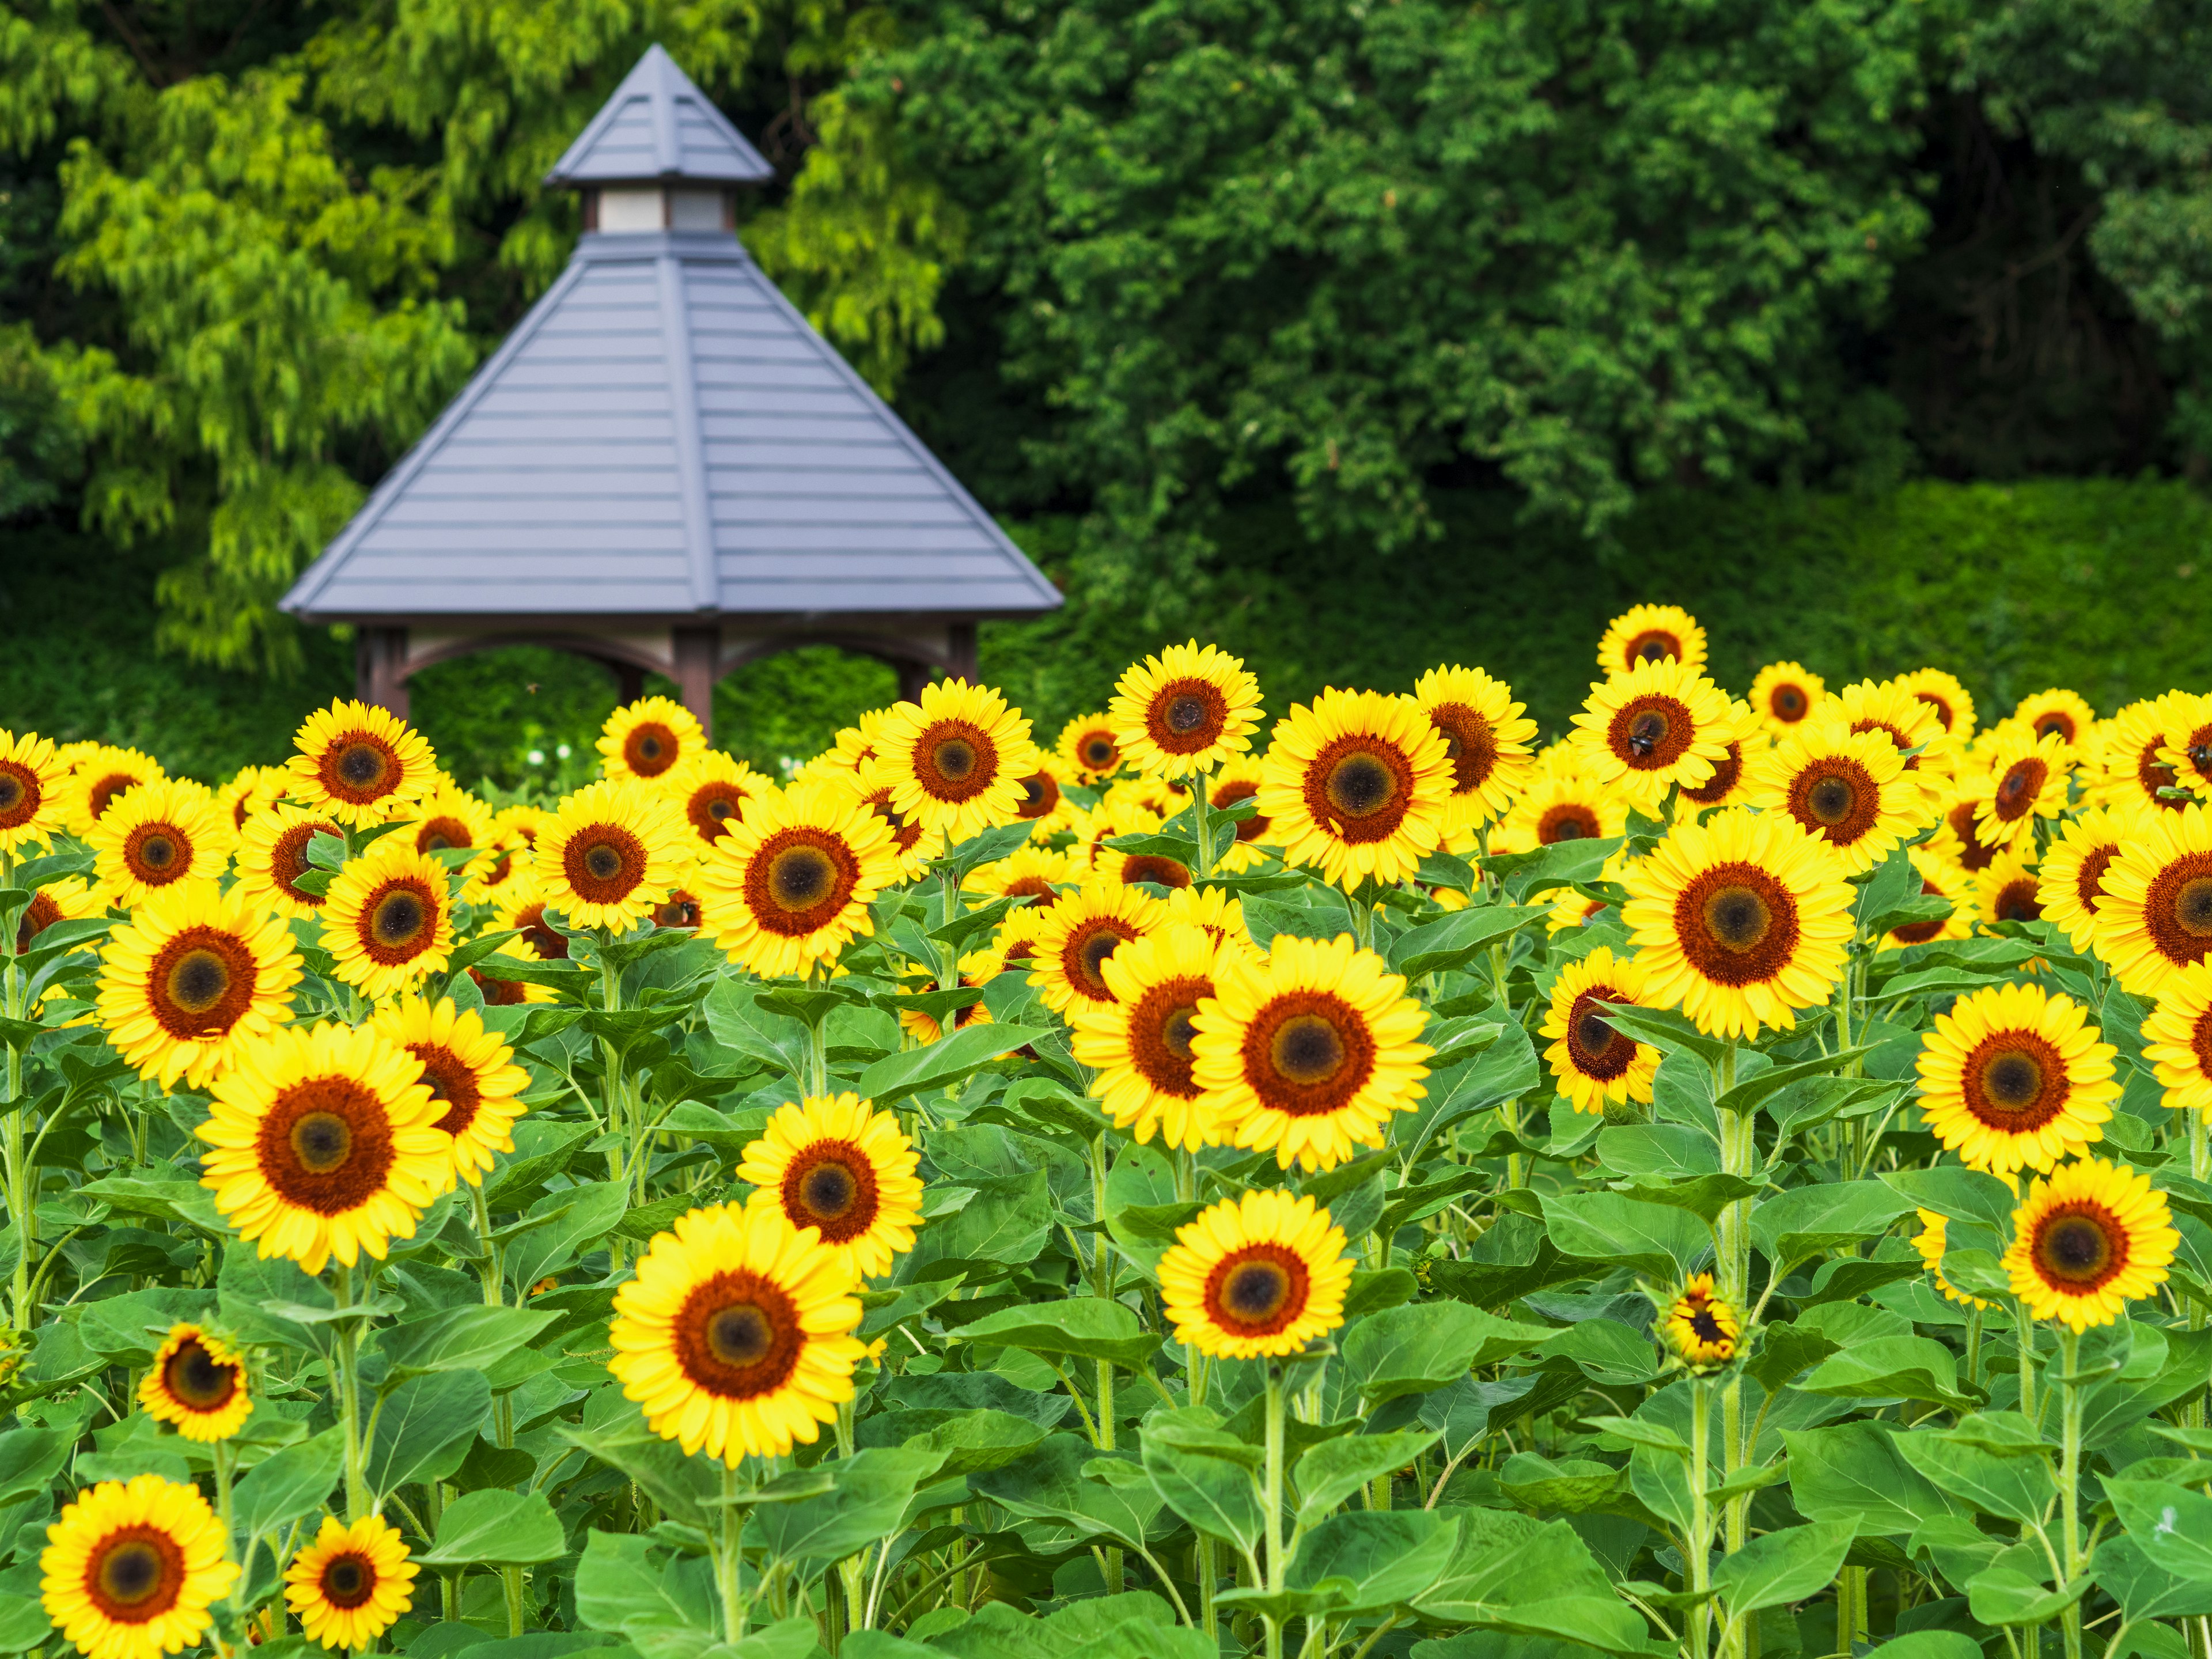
(1198, 782)
(1697, 1554)
(21, 1214)
(2069, 1482)
(1277, 1566)
(729, 1557)
(2027, 1364)
(493, 1273)
(346, 1352)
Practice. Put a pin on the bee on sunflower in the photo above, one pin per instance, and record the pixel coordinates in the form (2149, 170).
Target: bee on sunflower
(1657, 725)
(2133, 766)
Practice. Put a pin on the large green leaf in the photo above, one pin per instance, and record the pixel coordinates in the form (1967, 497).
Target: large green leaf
(1509, 1572)
(1413, 1349)
(460, 1338)
(495, 1528)
(1084, 1326)
(2171, 1524)
(947, 1060)
(424, 1428)
(1374, 1559)
(866, 1501)
(290, 1485)
(1334, 1470)
(1653, 1239)
(1205, 1475)
(1854, 1472)
(1776, 1568)
(1808, 1221)
(2015, 1488)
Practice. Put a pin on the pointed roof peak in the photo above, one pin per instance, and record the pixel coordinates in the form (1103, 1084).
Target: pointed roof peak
(659, 128)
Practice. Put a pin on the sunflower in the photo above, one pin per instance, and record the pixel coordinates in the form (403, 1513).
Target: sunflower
(387, 919)
(2008, 891)
(32, 779)
(1938, 879)
(1117, 814)
(1652, 634)
(1931, 1241)
(1570, 908)
(520, 821)
(834, 1163)
(2134, 749)
(1700, 1326)
(1357, 786)
(1591, 1062)
(352, 1584)
(955, 759)
(736, 1336)
(712, 790)
(98, 778)
(1186, 710)
(686, 906)
(1239, 779)
(130, 1570)
(1152, 869)
(977, 970)
(1846, 788)
(501, 993)
(2057, 712)
(2188, 751)
(1561, 806)
(1954, 840)
(853, 745)
(1307, 1052)
(193, 974)
(450, 819)
(2029, 776)
(1030, 872)
(1730, 784)
(791, 886)
(647, 739)
(2178, 1039)
(1255, 1277)
(70, 899)
(611, 855)
(1487, 740)
(272, 855)
(1139, 1044)
(1740, 920)
(913, 845)
(1014, 946)
(197, 1383)
(521, 905)
(252, 790)
(472, 1077)
(2013, 1078)
(1952, 703)
(1887, 707)
(512, 860)
(360, 764)
(155, 835)
(1077, 934)
(1653, 726)
(2089, 1240)
(1088, 747)
(1215, 908)
(2155, 917)
(1784, 694)
(2070, 883)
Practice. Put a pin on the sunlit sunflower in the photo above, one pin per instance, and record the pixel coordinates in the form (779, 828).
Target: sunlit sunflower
(360, 764)
(1014, 945)
(1356, 785)
(451, 820)
(522, 904)
(271, 855)
(471, 1074)
(1952, 703)
(2013, 1078)
(387, 919)
(1307, 1052)
(1931, 1241)
(1887, 707)
(156, 836)
(712, 790)
(352, 1584)
(1088, 747)
(1740, 920)
(611, 855)
(647, 739)
(1030, 872)
(834, 1163)
(1700, 1326)
(2178, 1038)
(2188, 750)
(1075, 936)
(522, 819)
(792, 884)
(1152, 869)
(1045, 804)
(1652, 727)
(913, 845)
(1651, 633)
(1731, 783)
(1954, 840)
(736, 1336)
(955, 759)
(194, 974)
(687, 905)
(1487, 740)
(98, 776)
(70, 899)
(1117, 814)
(2008, 891)
(1561, 806)
(2155, 917)
(197, 1383)
(977, 970)
(1256, 1276)
(1139, 1044)
(324, 1143)
(251, 789)
(2070, 882)
(499, 991)
(1219, 912)
(32, 785)
(1784, 695)
(2089, 1240)
(1591, 1062)
(1186, 710)
(1846, 788)
(2057, 712)
(1571, 908)
(2028, 782)
(130, 1570)
(1938, 879)
(2132, 753)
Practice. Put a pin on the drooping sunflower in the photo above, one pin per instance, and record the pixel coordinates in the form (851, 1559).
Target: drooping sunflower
(32, 779)
(1938, 879)
(324, 1143)
(1186, 710)
(471, 1074)
(2155, 917)
(131, 1569)
(1700, 1326)
(1089, 747)
(834, 1163)
(1740, 921)
(1651, 633)
(2178, 1038)
(611, 855)
(1307, 1052)
(360, 764)
(197, 1383)
(1561, 806)
(2008, 891)
(2087, 1240)
(2188, 749)
(352, 1584)
(1952, 703)
(1931, 1241)
(2070, 882)
(1356, 785)
(1031, 872)
(70, 899)
(1591, 1062)
(955, 759)
(1139, 1044)
(1256, 1276)
(1078, 933)
(647, 739)
(736, 1336)
(791, 886)
(193, 974)
(1654, 727)
(1887, 707)
(2013, 1078)
(156, 836)
(1784, 695)
(387, 918)
(1731, 782)
(2057, 712)
(98, 776)
(2133, 767)
(712, 790)
(2028, 782)
(272, 855)
(1846, 788)
(1487, 740)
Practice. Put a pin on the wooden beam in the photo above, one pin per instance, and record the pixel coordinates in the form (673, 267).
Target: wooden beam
(380, 662)
(960, 650)
(698, 662)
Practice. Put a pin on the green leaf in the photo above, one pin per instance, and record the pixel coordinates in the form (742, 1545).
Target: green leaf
(495, 1528)
(933, 1066)
(1809, 1221)
(2144, 1589)
(1205, 1475)
(1084, 1326)
(288, 1484)
(866, 1502)
(1854, 1472)
(1509, 1572)
(1665, 1031)
(1781, 1567)
(1335, 1470)
(1051, 1485)
(985, 847)
(2002, 1596)
(460, 1338)
(973, 1441)
(1959, 1194)
(1652, 1239)
(669, 1610)
(1784, 1351)
(1932, 1645)
(2014, 1488)
(1452, 941)
(1574, 1487)
(738, 1023)
(23, 1623)
(1891, 1368)
(681, 1486)
(1748, 1095)
(424, 1428)
(1374, 1559)
(1414, 1349)
(2171, 1524)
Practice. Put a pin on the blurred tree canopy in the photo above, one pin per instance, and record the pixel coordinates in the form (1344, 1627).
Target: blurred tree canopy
(1147, 268)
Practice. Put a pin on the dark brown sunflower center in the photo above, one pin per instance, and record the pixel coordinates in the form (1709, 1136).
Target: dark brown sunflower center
(1229, 794)
(738, 1335)
(1736, 924)
(1943, 708)
(157, 853)
(1151, 867)
(1160, 1031)
(441, 833)
(1788, 702)
(1706, 1328)
(1568, 821)
(714, 807)
(359, 767)
(1650, 733)
(2016, 901)
(1098, 751)
(1307, 1052)
(800, 880)
(550, 945)
(287, 859)
(955, 761)
(1919, 932)
(20, 794)
(832, 1185)
(348, 1580)
(2079, 1248)
(604, 863)
(1652, 644)
(399, 922)
(1597, 1050)
(499, 993)
(1470, 742)
(650, 748)
(2014, 1081)
(1257, 1290)
(135, 1574)
(452, 1081)
(2177, 908)
(2198, 748)
(905, 836)
(325, 1144)
(1083, 958)
(1837, 798)
(2018, 789)
(201, 983)
(40, 914)
(2089, 878)
(1728, 771)
(1185, 716)
(1040, 796)
(1972, 855)
(1359, 788)
(197, 1379)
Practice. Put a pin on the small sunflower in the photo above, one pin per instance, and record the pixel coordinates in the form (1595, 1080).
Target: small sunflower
(1931, 1241)
(2008, 890)
(1045, 805)
(1651, 633)
(1138, 1045)
(522, 822)
(2089, 1240)
(648, 739)
(2178, 1039)
(1654, 727)
(834, 1163)
(503, 993)
(1570, 908)
(2155, 917)
(2070, 883)
(791, 886)
(1077, 934)
(193, 974)
(913, 845)
(387, 919)
(686, 906)
(1186, 710)
(521, 905)
(1591, 1062)
(2064, 714)
(1487, 740)
(1731, 783)
(324, 1143)
(1561, 806)
(1219, 912)
(1954, 840)
(977, 970)
(352, 1584)
(611, 855)
(2013, 1078)
(1784, 695)
(1030, 872)
(1255, 1277)
(197, 1382)
(472, 1075)
(31, 786)
(712, 790)
(1740, 920)
(955, 759)
(1938, 879)
(2133, 750)
(1887, 707)
(156, 836)
(252, 790)
(1846, 788)
(1090, 749)
(99, 776)
(1308, 1052)
(2028, 782)
(131, 1569)
(736, 1336)
(1357, 786)
(1952, 703)
(1701, 1326)
(1152, 869)
(1014, 946)
(1117, 814)
(70, 899)
(272, 855)
(360, 764)
(450, 819)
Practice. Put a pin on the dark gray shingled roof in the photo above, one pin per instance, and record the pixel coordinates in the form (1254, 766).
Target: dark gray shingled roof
(658, 125)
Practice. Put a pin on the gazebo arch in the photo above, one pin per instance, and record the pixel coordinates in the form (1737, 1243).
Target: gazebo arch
(664, 469)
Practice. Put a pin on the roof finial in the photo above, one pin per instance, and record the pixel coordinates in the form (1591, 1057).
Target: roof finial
(659, 128)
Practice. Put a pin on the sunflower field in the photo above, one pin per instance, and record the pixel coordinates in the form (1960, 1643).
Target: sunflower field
(1733, 1182)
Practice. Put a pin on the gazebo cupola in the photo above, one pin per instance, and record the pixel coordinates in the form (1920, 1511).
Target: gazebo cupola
(665, 468)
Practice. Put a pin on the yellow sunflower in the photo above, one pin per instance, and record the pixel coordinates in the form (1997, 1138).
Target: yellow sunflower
(521, 905)
(1031, 872)
(1117, 814)
(450, 819)
(1651, 727)
(2133, 751)
(791, 886)
(1651, 633)
(2089, 1240)
(977, 970)
(913, 844)
(2155, 917)
(2028, 782)
(2070, 883)
(1700, 1326)
(1954, 840)
(131, 1569)
(2008, 890)
(611, 855)
(352, 1584)
(99, 776)
(1255, 1277)
(1561, 806)
(156, 836)
(1219, 912)
(471, 1074)
(1784, 695)
(835, 1165)
(1590, 1062)
(1045, 805)
(272, 855)
(2013, 1078)
(70, 899)
(1236, 780)
(736, 1336)
(2178, 1038)
(955, 759)
(687, 905)
(712, 790)
(360, 764)
(1952, 703)
(325, 1142)
(1740, 920)
(1846, 788)
(193, 974)
(1139, 1044)
(197, 1382)
(1186, 710)
(1079, 933)
(1931, 1241)
(1088, 747)
(1307, 1052)
(1731, 782)
(387, 919)
(522, 820)
(2058, 713)
(1938, 879)
(646, 739)
(1487, 740)
(1357, 786)
(1013, 947)
(33, 780)
(2188, 750)
(252, 790)
(1887, 707)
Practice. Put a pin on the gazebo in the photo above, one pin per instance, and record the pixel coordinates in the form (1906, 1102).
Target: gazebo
(665, 468)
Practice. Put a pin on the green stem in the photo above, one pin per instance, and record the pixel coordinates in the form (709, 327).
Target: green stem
(1278, 1564)
(2069, 1482)
(344, 1378)
(1200, 782)
(1207, 1619)
(728, 1557)
(2027, 1364)
(491, 1271)
(1698, 1551)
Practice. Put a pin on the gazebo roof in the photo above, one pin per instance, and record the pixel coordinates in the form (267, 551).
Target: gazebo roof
(658, 125)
